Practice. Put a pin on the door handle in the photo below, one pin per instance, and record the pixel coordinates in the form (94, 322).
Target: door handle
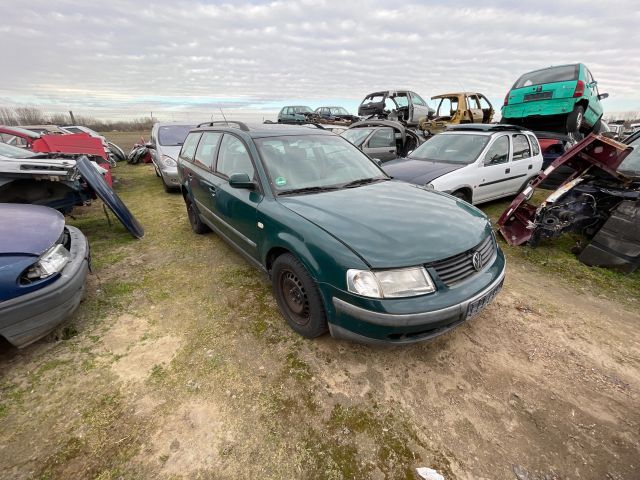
(212, 190)
(508, 170)
(391, 151)
(530, 167)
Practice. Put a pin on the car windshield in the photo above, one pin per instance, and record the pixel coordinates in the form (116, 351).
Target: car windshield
(314, 163)
(548, 75)
(173, 135)
(631, 164)
(338, 111)
(401, 100)
(302, 110)
(356, 135)
(14, 152)
(451, 148)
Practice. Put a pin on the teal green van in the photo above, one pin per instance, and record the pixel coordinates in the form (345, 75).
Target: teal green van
(555, 98)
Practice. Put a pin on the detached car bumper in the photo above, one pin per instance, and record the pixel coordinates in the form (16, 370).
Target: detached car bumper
(426, 317)
(29, 317)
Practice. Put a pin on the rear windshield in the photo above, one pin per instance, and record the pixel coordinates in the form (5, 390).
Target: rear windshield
(451, 148)
(548, 75)
(173, 135)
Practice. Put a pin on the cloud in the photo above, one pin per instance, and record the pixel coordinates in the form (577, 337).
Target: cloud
(125, 58)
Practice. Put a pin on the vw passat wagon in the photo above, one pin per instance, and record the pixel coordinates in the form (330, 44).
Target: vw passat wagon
(347, 249)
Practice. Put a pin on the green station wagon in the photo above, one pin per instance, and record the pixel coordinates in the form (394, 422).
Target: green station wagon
(347, 249)
(564, 98)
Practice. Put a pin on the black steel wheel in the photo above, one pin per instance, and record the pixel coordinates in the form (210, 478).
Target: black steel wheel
(298, 297)
(194, 220)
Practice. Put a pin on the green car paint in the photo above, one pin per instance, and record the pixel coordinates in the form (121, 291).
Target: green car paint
(549, 96)
(377, 226)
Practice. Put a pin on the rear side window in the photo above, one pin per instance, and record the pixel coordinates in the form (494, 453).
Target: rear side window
(521, 147)
(189, 148)
(498, 152)
(233, 157)
(534, 145)
(205, 154)
(564, 73)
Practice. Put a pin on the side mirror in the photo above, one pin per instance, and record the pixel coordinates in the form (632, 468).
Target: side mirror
(150, 146)
(602, 96)
(377, 161)
(241, 180)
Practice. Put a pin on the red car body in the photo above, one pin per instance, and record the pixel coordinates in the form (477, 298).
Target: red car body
(72, 143)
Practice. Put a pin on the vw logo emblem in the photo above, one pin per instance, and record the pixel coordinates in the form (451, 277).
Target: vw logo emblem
(477, 261)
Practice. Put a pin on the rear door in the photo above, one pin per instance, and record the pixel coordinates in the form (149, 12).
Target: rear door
(494, 171)
(381, 144)
(521, 166)
(475, 111)
(235, 213)
(203, 183)
(420, 107)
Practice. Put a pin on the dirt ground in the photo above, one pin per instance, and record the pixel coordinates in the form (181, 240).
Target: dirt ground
(178, 365)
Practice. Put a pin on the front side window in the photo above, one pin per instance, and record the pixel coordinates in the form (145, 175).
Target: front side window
(417, 100)
(314, 161)
(521, 147)
(205, 154)
(189, 146)
(447, 107)
(498, 152)
(356, 135)
(233, 157)
(451, 148)
(382, 138)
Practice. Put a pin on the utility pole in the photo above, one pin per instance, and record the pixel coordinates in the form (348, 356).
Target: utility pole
(73, 119)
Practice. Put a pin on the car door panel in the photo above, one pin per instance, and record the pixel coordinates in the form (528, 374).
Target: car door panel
(495, 170)
(521, 163)
(381, 144)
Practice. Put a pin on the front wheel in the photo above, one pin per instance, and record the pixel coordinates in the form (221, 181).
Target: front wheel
(462, 196)
(298, 297)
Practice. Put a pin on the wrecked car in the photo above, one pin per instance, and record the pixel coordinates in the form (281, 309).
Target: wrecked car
(382, 139)
(336, 114)
(398, 105)
(43, 270)
(297, 114)
(59, 183)
(562, 99)
(600, 201)
(474, 162)
(457, 108)
(348, 251)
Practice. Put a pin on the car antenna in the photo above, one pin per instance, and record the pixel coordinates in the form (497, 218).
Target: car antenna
(225, 118)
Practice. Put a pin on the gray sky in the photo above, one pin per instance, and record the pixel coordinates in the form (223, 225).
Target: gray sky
(188, 58)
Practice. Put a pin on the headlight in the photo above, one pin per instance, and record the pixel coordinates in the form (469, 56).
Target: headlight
(430, 186)
(168, 161)
(405, 282)
(52, 261)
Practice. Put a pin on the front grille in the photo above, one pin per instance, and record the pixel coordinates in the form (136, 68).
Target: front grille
(455, 269)
(538, 96)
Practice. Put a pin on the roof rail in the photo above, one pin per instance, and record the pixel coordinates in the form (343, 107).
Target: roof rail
(241, 125)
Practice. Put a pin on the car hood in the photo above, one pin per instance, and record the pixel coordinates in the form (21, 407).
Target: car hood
(394, 224)
(28, 229)
(419, 172)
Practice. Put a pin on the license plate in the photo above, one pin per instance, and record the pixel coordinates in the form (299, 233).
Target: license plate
(478, 305)
(537, 96)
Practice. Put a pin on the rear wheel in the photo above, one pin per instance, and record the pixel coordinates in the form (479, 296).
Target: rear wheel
(575, 119)
(194, 219)
(298, 297)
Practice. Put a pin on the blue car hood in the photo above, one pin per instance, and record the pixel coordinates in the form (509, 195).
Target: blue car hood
(28, 229)
(419, 172)
(394, 224)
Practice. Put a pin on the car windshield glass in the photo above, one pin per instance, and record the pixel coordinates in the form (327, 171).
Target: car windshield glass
(631, 164)
(356, 135)
(302, 110)
(14, 152)
(338, 111)
(451, 148)
(314, 162)
(548, 75)
(173, 135)
(401, 100)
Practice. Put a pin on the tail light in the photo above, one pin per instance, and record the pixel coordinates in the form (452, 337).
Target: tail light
(506, 99)
(579, 91)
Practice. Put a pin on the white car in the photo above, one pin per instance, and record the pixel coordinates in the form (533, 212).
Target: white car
(474, 162)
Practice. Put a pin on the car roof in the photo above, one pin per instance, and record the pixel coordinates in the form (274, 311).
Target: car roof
(455, 94)
(486, 128)
(175, 124)
(377, 123)
(260, 130)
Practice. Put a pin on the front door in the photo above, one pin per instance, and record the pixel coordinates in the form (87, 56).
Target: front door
(494, 172)
(381, 144)
(235, 213)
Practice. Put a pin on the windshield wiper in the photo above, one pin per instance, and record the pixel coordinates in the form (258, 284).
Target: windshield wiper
(363, 181)
(307, 190)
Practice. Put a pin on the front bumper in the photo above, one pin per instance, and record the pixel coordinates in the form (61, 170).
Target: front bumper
(29, 317)
(366, 325)
(170, 176)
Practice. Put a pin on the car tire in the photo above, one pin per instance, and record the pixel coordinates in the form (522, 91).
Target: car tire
(298, 297)
(575, 120)
(194, 220)
(461, 195)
